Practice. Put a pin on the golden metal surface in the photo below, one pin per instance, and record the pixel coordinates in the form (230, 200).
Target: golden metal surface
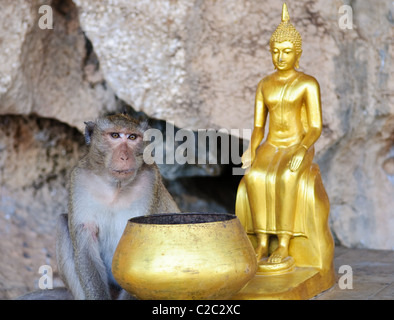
(281, 196)
(268, 268)
(184, 256)
(302, 283)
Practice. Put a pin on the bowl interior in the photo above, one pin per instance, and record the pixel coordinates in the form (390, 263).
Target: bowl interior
(183, 218)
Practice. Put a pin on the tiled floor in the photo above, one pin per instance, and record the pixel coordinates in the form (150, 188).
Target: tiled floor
(372, 275)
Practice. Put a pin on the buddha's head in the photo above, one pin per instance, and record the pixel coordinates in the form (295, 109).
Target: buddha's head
(285, 44)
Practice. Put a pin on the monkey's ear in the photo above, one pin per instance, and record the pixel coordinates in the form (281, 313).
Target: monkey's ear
(143, 125)
(89, 131)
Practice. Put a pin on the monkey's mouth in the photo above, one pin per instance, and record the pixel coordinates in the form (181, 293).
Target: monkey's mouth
(123, 173)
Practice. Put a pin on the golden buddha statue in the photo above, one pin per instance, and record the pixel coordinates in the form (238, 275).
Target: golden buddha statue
(281, 198)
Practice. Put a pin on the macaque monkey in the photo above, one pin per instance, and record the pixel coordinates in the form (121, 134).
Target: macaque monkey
(110, 185)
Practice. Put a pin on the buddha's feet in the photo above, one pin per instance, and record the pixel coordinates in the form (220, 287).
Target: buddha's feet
(279, 254)
(261, 252)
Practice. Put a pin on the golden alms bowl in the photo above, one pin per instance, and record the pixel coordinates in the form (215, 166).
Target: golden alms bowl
(184, 256)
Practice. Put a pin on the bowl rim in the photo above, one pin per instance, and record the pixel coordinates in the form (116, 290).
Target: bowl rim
(214, 217)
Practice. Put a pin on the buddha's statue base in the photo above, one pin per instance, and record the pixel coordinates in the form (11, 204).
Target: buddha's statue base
(267, 268)
(299, 284)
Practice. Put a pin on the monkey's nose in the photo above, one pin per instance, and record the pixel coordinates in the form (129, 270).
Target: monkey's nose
(124, 158)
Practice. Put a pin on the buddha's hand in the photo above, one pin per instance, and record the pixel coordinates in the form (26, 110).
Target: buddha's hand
(297, 158)
(247, 158)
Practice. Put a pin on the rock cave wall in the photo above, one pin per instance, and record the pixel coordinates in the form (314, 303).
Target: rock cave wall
(195, 63)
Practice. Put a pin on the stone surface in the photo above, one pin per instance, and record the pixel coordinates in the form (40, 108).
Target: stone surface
(371, 274)
(197, 63)
(371, 277)
(36, 156)
(356, 168)
(50, 72)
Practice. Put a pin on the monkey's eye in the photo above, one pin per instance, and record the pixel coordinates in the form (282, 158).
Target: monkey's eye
(115, 135)
(132, 136)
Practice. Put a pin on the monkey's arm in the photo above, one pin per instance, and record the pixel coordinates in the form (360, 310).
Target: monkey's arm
(89, 265)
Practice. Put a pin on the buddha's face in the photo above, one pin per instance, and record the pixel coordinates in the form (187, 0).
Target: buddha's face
(284, 55)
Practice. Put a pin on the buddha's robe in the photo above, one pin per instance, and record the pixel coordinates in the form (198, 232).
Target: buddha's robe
(271, 198)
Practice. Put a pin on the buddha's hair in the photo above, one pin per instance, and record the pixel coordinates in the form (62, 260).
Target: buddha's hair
(286, 32)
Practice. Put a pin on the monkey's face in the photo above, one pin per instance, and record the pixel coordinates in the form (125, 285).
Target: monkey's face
(125, 152)
(116, 146)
